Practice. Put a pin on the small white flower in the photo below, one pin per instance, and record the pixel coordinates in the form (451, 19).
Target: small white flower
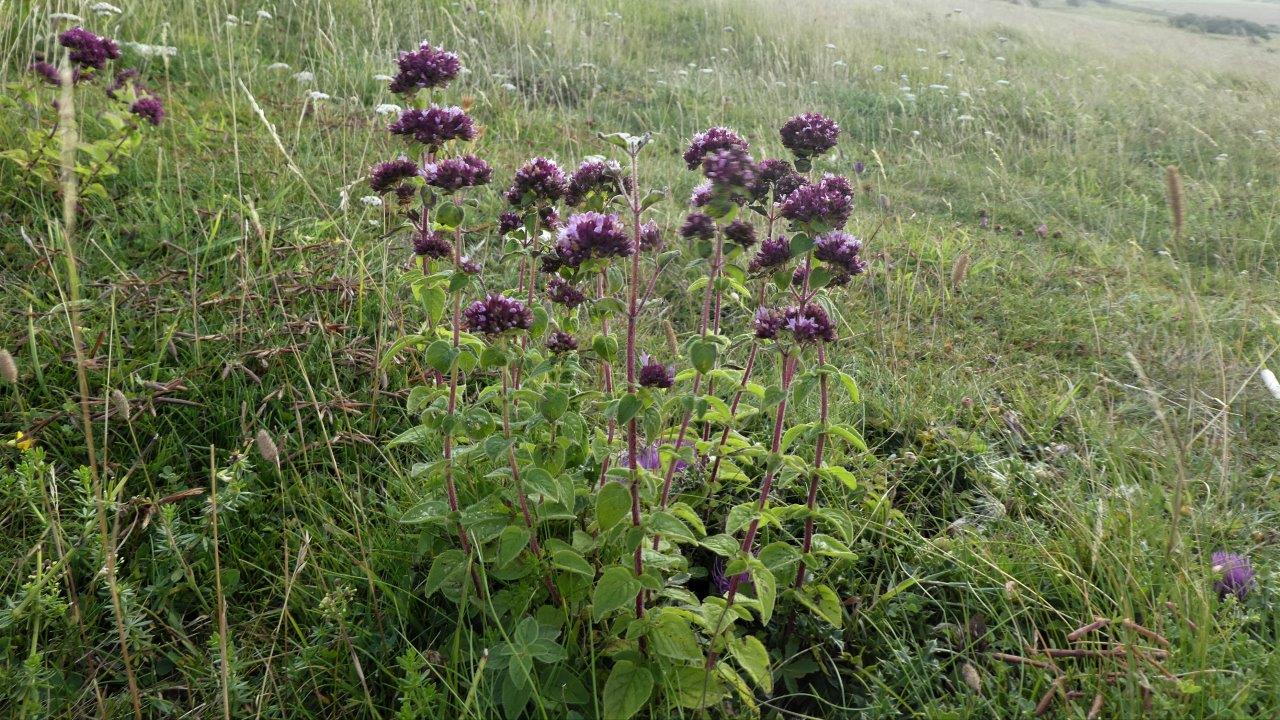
(878, 68)
(682, 72)
(727, 28)
(1002, 82)
(653, 71)
(317, 96)
(383, 78)
(839, 63)
(387, 109)
(1002, 39)
(1221, 158)
(829, 46)
(69, 17)
(305, 76)
(232, 20)
(999, 58)
(944, 54)
(779, 83)
(706, 71)
(152, 50)
(371, 200)
(921, 50)
(264, 15)
(509, 87)
(276, 67)
(910, 97)
(965, 118)
(1269, 379)
(964, 95)
(1163, 253)
(104, 9)
(726, 51)
(661, 82)
(939, 88)
(915, 133)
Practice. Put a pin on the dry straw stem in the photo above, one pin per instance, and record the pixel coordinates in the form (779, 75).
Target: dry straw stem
(1177, 206)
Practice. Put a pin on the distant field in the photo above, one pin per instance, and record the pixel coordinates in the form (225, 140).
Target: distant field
(1267, 13)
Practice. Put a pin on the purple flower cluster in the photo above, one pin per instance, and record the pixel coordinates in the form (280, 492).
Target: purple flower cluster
(121, 80)
(774, 252)
(560, 291)
(426, 67)
(148, 108)
(1237, 574)
(740, 232)
(809, 323)
(705, 143)
(592, 235)
(435, 125)
(431, 244)
(596, 176)
(730, 167)
(768, 323)
(388, 175)
(507, 222)
(539, 181)
(497, 314)
(777, 176)
(549, 218)
(809, 134)
(559, 342)
(650, 236)
(840, 250)
(825, 204)
(46, 71)
(698, 226)
(88, 50)
(457, 173)
(654, 374)
(702, 195)
(469, 266)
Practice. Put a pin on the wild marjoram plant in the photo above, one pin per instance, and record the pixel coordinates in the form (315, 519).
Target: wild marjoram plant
(526, 497)
(132, 108)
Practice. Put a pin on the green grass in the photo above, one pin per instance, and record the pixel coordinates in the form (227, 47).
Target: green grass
(1019, 482)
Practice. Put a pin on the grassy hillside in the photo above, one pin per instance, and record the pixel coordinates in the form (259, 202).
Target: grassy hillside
(1034, 385)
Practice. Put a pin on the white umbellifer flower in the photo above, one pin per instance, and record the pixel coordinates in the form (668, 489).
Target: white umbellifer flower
(921, 50)
(965, 118)
(662, 82)
(383, 78)
(1163, 253)
(509, 87)
(264, 15)
(465, 71)
(104, 9)
(151, 50)
(274, 67)
(1002, 39)
(905, 88)
(915, 133)
(829, 46)
(839, 63)
(940, 88)
(964, 95)
(371, 200)
(652, 71)
(1002, 82)
(305, 76)
(1269, 379)
(232, 20)
(317, 96)
(878, 68)
(999, 58)
(682, 72)
(706, 71)
(911, 97)
(779, 83)
(727, 28)
(387, 109)
(69, 17)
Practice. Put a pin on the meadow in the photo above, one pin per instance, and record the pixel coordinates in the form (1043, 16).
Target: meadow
(231, 386)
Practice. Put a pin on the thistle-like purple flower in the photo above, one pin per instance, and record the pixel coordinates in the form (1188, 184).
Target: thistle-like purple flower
(823, 205)
(1237, 574)
(740, 232)
(809, 323)
(774, 252)
(705, 143)
(539, 182)
(654, 374)
(88, 50)
(435, 125)
(767, 323)
(840, 249)
(507, 222)
(591, 235)
(431, 244)
(47, 72)
(698, 226)
(560, 342)
(595, 175)
(650, 237)
(386, 176)
(426, 67)
(730, 167)
(456, 173)
(497, 314)
(561, 292)
(148, 108)
(809, 134)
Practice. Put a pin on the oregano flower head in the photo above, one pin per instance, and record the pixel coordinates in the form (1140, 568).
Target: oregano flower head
(698, 226)
(87, 49)
(841, 250)
(456, 173)
(774, 252)
(539, 182)
(709, 141)
(386, 176)
(596, 175)
(809, 134)
(497, 314)
(592, 235)
(434, 126)
(426, 67)
(654, 374)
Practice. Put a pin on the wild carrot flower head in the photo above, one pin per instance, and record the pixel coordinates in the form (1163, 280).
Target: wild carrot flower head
(774, 252)
(809, 323)
(654, 374)
(705, 143)
(497, 314)
(562, 292)
(591, 235)
(431, 244)
(823, 205)
(426, 67)
(730, 167)
(650, 236)
(596, 175)
(1237, 574)
(434, 126)
(386, 176)
(840, 249)
(809, 134)
(560, 342)
(740, 232)
(698, 226)
(148, 108)
(88, 50)
(46, 71)
(539, 182)
(456, 173)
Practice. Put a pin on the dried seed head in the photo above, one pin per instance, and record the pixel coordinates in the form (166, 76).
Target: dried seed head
(971, 677)
(120, 405)
(1173, 183)
(267, 448)
(960, 271)
(673, 346)
(8, 369)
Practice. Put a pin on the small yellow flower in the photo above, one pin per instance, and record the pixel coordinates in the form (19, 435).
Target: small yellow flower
(23, 442)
